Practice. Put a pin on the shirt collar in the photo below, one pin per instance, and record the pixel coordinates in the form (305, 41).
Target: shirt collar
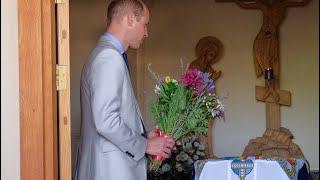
(114, 40)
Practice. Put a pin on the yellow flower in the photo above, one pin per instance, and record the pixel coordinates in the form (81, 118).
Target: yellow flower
(167, 79)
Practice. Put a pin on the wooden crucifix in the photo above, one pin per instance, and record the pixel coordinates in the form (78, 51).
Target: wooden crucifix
(266, 54)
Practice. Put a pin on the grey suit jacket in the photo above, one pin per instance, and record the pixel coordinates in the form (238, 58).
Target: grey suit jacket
(112, 146)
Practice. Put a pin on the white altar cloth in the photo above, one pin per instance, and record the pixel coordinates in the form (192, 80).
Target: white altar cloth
(262, 170)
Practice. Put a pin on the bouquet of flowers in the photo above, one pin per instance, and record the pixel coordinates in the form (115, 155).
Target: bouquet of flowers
(180, 164)
(184, 106)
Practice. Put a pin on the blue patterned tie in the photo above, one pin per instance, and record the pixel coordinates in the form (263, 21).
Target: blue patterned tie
(125, 58)
(144, 134)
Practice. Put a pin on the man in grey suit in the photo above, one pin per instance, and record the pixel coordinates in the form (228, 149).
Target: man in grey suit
(113, 138)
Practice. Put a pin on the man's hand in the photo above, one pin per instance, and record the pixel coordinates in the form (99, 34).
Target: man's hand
(154, 133)
(160, 146)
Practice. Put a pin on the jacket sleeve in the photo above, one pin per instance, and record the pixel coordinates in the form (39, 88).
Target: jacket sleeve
(106, 79)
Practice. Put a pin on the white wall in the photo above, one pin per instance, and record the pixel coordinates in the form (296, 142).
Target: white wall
(10, 136)
(174, 31)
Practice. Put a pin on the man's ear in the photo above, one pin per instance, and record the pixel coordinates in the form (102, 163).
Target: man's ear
(130, 19)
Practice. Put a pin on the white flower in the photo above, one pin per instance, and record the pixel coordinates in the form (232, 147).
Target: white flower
(214, 113)
(182, 156)
(196, 144)
(165, 168)
(179, 167)
(157, 89)
(220, 105)
(179, 157)
(187, 146)
(190, 151)
(190, 161)
(185, 157)
(174, 81)
(201, 147)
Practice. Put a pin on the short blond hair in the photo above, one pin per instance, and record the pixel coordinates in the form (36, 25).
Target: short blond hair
(117, 9)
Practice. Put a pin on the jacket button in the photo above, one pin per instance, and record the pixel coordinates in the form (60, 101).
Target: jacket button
(131, 155)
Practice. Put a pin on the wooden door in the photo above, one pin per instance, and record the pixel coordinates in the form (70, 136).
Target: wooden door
(45, 146)
(37, 90)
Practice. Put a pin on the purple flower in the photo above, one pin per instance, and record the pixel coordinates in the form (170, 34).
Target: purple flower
(207, 81)
(193, 78)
